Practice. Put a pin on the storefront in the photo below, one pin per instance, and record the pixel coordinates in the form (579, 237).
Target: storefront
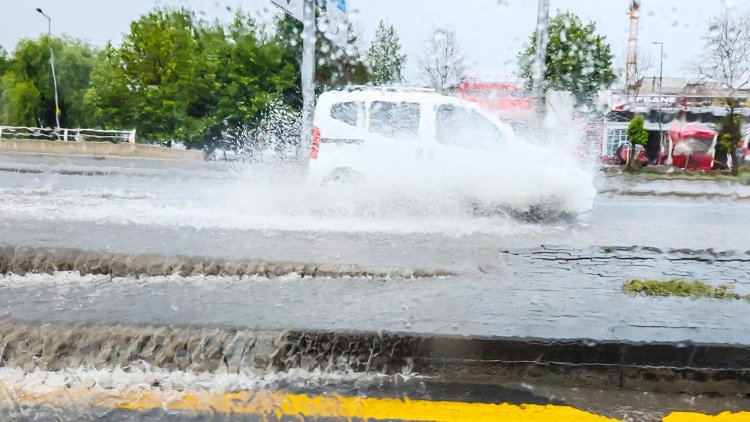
(671, 121)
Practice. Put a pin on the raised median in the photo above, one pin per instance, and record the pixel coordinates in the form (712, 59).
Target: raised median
(105, 149)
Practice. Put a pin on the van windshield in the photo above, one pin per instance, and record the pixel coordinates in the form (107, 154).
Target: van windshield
(466, 128)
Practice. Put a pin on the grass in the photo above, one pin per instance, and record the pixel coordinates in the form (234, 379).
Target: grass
(649, 173)
(608, 249)
(680, 288)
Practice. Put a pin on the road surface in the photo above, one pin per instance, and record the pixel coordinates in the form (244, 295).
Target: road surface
(506, 278)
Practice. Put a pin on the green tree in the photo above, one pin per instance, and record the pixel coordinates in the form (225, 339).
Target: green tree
(254, 75)
(637, 135)
(726, 61)
(730, 134)
(160, 81)
(28, 95)
(336, 67)
(4, 61)
(385, 55)
(577, 58)
(21, 102)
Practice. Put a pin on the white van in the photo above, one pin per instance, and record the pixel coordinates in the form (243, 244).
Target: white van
(363, 127)
(416, 141)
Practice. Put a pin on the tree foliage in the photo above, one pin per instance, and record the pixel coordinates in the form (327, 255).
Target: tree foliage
(730, 133)
(636, 132)
(174, 77)
(160, 81)
(577, 59)
(726, 61)
(254, 76)
(384, 55)
(637, 135)
(27, 96)
(4, 60)
(442, 61)
(335, 67)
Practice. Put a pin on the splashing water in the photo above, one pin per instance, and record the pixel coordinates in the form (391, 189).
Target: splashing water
(457, 191)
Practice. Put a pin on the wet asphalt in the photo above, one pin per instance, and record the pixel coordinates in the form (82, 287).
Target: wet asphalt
(514, 278)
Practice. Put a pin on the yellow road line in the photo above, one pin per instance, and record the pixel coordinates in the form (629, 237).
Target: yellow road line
(277, 403)
(282, 404)
(697, 417)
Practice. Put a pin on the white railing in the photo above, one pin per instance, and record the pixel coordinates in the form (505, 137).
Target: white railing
(61, 134)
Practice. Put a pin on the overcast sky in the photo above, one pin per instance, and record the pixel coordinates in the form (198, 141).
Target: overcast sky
(491, 31)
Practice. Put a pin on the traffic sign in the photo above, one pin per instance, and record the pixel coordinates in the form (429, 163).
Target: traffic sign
(293, 7)
(337, 15)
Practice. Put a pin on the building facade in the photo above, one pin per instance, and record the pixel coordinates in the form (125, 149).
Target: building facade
(666, 105)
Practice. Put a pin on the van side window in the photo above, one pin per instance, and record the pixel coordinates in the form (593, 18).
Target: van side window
(463, 127)
(394, 119)
(349, 112)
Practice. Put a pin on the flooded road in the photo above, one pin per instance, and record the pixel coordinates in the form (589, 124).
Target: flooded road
(350, 263)
(208, 210)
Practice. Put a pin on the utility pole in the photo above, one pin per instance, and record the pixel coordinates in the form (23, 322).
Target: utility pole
(661, 79)
(52, 65)
(308, 74)
(661, 64)
(540, 66)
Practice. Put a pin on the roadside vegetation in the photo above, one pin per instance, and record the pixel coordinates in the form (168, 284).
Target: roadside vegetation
(177, 77)
(637, 135)
(680, 288)
(666, 173)
(578, 58)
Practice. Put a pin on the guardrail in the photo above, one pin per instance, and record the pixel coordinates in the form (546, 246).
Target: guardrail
(62, 134)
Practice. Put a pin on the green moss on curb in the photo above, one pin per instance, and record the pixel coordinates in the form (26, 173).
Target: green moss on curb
(680, 288)
(650, 174)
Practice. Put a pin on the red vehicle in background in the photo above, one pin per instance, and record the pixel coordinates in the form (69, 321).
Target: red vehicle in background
(623, 152)
(690, 146)
(507, 101)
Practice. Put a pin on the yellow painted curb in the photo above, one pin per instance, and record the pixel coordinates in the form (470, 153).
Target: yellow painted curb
(277, 403)
(697, 417)
(333, 406)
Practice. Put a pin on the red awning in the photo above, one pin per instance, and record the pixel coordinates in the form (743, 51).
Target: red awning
(691, 130)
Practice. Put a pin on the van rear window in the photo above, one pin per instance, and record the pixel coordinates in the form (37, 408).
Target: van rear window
(349, 112)
(394, 119)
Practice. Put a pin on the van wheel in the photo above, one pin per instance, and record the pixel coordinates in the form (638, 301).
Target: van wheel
(343, 175)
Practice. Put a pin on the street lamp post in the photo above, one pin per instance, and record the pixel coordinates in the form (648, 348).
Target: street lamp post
(661, 63)
(52, 65)
(661, 79)
(539, 65)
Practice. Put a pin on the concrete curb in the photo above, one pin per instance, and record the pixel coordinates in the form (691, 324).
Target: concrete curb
(20, 260)
(97, 149)
(668, 367)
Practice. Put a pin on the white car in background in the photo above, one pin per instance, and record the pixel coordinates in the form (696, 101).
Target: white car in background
(398, 135)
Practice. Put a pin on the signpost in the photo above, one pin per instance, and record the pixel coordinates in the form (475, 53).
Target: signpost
(293, 7)
(336, 12)
(539, 67)
(308, 74)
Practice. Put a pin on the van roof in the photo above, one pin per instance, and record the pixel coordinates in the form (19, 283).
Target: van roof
(396, 94)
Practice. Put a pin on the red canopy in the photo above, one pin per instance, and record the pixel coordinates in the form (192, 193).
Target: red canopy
(691, 130)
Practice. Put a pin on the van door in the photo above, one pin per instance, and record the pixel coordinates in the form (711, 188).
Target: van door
(342, 134)
(394, 131)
